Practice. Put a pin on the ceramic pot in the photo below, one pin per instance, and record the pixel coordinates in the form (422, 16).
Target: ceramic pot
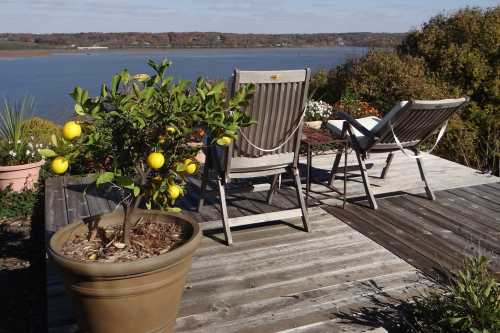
(20, 177)
(316, 124)
(130, 297)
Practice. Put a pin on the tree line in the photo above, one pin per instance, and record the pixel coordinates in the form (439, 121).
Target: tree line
(197, 39)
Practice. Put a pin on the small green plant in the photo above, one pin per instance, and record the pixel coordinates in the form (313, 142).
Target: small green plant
(471, 303)
(16, 145)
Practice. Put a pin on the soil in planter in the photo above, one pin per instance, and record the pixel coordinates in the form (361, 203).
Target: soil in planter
(147, 239)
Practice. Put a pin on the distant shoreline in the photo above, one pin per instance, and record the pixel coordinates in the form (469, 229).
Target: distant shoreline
(11, 54)
(28, 53)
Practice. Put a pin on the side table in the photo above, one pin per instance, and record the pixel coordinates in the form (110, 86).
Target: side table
(315, 138)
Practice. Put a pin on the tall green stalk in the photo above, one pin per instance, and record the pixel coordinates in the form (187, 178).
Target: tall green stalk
(12, 119)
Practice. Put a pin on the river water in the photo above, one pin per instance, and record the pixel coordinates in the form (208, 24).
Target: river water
(51, 78)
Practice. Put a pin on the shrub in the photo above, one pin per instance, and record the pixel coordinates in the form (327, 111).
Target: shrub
(471, 303)
(41, 130)
(383, 78)
(462, 49)
(318, 86)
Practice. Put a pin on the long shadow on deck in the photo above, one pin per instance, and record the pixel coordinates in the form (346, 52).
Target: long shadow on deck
(434, 236)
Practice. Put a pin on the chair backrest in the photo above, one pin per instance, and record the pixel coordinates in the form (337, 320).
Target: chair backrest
(416, 120)
(277, 106)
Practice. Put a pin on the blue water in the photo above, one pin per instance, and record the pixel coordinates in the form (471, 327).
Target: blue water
(51, 78)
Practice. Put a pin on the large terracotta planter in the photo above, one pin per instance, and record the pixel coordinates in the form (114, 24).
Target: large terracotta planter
(20, 177)
(132, 297)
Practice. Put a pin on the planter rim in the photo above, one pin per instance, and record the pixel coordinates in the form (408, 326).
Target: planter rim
(141, 266)
(21, 166)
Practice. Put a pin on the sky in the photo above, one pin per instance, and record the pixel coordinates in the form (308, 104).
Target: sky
(242, 16)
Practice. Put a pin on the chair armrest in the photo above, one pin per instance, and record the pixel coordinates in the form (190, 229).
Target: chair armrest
(354, 123)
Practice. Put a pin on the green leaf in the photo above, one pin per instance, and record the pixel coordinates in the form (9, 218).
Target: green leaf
(48, 153)
(201, 93)
(85, 97)
(79, 110)
(456, 320)
(77, 94)
(53, 139)
(180, 167)
(104, 90)
(137, 191)
(147, 93)
(148, 205)
(125, 182)
(125, 76)
(137, 90)
(105, 177)
(95, 111)
(174, 210)
(115, 82)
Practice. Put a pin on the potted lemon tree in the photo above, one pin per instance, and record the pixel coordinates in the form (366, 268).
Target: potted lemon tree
(125, 271)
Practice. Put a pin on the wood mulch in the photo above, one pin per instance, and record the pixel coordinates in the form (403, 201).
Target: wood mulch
(147, 239)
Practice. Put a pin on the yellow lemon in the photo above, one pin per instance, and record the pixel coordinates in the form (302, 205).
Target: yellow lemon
(189, 166)
(155, 160)
(171, 130)
(224, 141)
(174, 191)
(71, 130)
(59, 165)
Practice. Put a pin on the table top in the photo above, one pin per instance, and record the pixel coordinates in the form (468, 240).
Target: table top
(321, 136)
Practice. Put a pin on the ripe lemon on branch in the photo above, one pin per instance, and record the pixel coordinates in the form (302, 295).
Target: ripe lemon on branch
(155, 160)
(71, 130)
(225, 140)
(174, 191)
(189, 166)
(59, 165)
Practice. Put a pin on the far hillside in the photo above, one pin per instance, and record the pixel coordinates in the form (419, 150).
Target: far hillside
(196, 40)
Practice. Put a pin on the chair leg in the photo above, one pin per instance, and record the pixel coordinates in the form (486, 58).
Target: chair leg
(366, 182)
(203, 186)
(300, 198)
(428, 189)
(225, 216)
(335, 165)
(274, 183)
(387, 165)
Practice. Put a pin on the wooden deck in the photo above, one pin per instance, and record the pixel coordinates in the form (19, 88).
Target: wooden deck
(277, 278)
(437, 236)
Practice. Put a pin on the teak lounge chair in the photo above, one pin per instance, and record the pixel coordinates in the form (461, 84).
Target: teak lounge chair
(406, 126)
(268, 148)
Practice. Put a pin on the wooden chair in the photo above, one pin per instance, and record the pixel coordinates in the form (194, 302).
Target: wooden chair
(268, 148)
(406, 126)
